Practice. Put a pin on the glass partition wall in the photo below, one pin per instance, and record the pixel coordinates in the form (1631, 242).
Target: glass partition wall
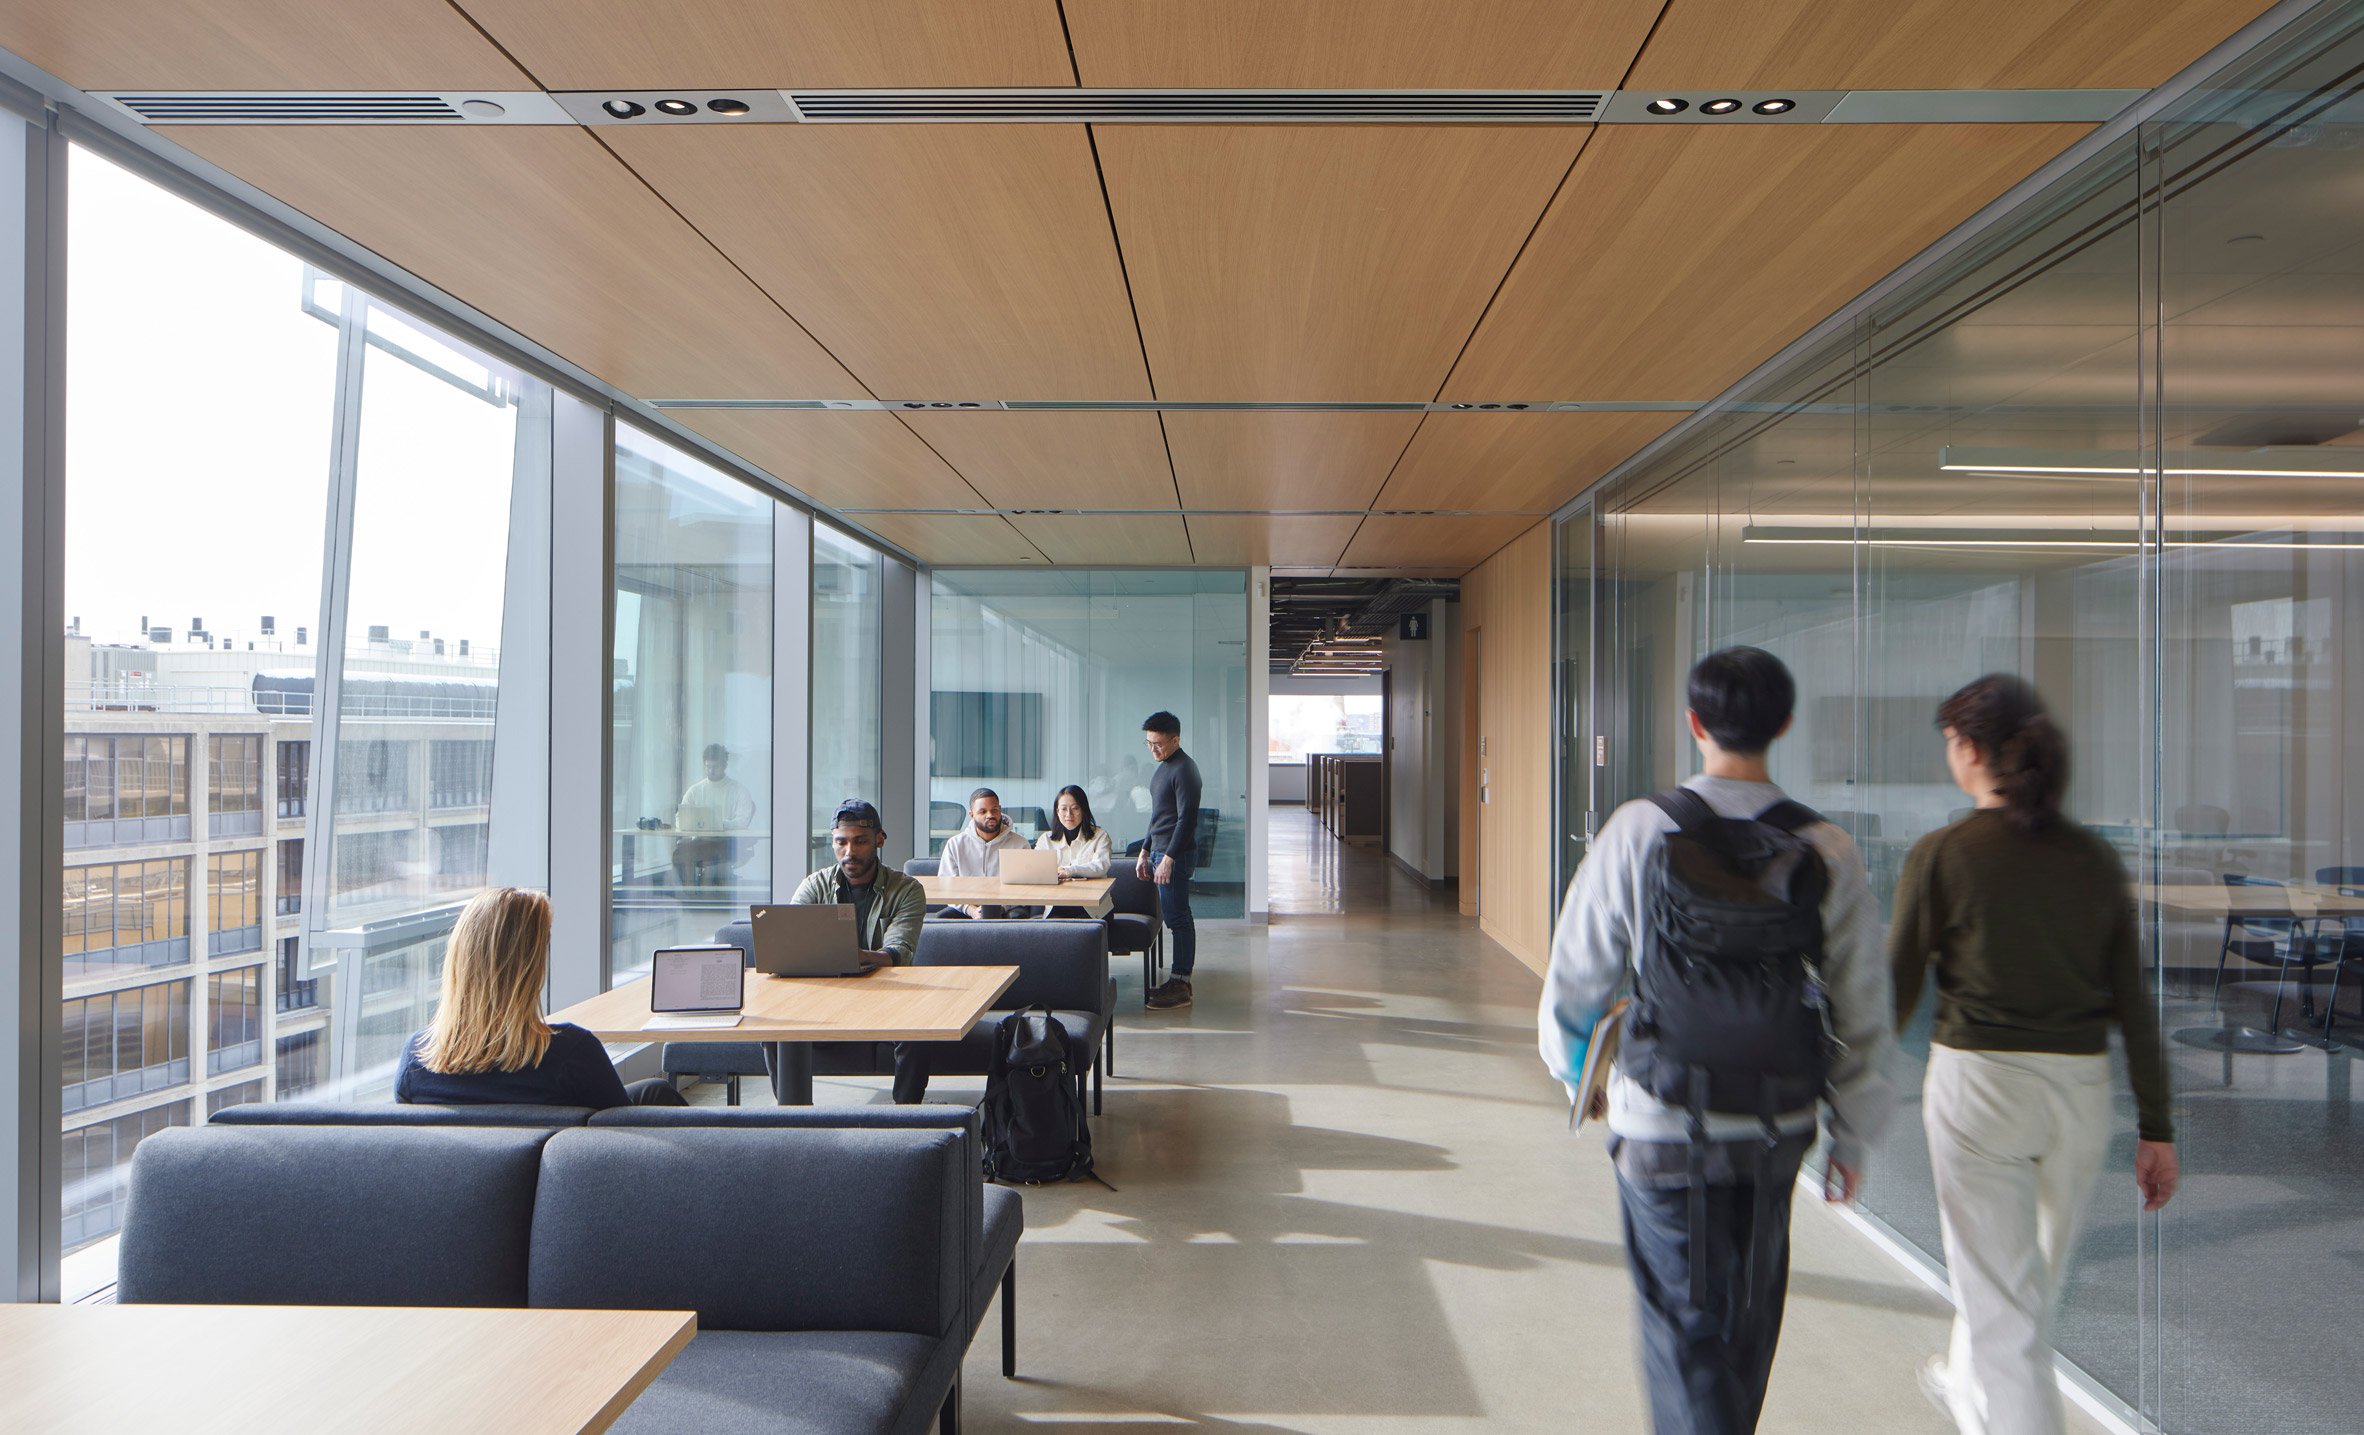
(1041, 679)
(2114, 445)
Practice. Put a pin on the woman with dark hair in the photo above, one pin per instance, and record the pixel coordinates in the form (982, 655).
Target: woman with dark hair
(1081, 843)
(2028, 921)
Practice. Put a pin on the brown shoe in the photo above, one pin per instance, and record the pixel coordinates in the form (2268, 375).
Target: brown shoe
(1167, 995)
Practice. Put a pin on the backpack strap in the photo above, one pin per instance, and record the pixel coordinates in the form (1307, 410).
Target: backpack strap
(1790, 816)
(1688, 809)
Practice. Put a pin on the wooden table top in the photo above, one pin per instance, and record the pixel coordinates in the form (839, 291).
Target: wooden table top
(1089, 893)
(264, 1370)
(890, 1004)
(2305, 903)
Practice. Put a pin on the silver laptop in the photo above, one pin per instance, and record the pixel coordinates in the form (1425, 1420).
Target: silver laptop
(692, 987)
(818, 940)
(1030, 868)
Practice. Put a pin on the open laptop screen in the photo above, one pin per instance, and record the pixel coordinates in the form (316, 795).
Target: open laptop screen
(694, 979)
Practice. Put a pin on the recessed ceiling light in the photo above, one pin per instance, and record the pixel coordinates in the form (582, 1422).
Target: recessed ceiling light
(1774, 107)
(676, 107)
(2245, 239)
(483, 109)
(1712, 107)
(727, 107)
(1668, 106)
(623, 109)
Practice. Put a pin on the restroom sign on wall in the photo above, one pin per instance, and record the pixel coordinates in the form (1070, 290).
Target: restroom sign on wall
(1412, 627)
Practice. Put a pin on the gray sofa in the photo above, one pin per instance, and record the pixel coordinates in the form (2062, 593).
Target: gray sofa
(1062, 964)
(996, 1215)
(851, 1316)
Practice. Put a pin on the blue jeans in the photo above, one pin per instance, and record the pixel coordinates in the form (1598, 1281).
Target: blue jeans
(1706, 1355)
(1173, 906)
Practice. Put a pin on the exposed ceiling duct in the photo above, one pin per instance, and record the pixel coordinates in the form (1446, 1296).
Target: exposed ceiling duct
(1335, 626)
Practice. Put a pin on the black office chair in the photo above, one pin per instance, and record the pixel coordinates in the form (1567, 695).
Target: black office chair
(2344, 935)
(1134, 923)
(2278, 942)
(923, 866)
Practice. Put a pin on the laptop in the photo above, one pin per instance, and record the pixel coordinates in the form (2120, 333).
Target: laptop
(816, 940)
(694, 988)
(1030, 868)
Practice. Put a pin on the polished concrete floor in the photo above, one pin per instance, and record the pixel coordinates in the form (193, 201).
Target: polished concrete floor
(1347, 1201)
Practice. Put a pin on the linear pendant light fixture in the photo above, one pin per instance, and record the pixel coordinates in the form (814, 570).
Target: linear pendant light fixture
(2077, 539)
(2294, 461)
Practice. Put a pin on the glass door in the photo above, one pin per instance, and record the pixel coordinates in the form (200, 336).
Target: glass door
(1580, 748)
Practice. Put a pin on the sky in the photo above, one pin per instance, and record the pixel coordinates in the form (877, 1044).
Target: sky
(199, 427)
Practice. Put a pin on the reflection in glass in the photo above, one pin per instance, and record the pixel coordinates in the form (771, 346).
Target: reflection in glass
(849, 675)
(691, 834)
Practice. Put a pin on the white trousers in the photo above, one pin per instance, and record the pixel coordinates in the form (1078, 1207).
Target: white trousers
(2016, 1140)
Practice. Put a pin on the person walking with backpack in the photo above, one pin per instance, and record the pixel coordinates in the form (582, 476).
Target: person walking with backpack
(2030, 925)
(1744, 929)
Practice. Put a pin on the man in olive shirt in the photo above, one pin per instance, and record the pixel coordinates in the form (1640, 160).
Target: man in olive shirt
(889, 909)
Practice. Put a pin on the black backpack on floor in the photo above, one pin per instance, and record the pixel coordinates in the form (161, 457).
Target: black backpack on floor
(1729, 1014)
(1034, 1116)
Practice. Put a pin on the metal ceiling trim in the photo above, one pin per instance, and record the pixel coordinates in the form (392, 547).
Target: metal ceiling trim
(335, 107)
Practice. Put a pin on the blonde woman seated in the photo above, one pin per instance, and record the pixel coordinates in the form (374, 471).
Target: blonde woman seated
(488, 1043)
(1081, 844)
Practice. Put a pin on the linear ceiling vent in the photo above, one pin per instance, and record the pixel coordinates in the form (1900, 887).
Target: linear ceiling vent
(287, 107)
(1215, 107)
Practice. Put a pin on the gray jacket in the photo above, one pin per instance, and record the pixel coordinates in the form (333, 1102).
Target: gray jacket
(1600, 928)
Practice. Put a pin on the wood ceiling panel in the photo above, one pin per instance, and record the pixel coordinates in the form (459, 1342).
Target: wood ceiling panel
(1280, 539)
(983, 540)
(1675, 260)
(1448, 544)
(1320, 263)
(1284, 460)
(256, 44)
(846, 459)
(1932, 44)
(1055, 460)
(1106, 540)
(936, 261)
(1358, 44)
(782, 44)
(560, 243)
(1529, 463)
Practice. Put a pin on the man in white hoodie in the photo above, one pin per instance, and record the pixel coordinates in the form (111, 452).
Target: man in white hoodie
(1705, 1190)
(975, 850)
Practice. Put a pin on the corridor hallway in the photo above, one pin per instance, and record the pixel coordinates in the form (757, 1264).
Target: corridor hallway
(1347, 1201)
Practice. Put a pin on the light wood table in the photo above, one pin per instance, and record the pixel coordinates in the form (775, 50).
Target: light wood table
(789, 1013)
(264, 1369)
(2240, 903)
(1089, 893)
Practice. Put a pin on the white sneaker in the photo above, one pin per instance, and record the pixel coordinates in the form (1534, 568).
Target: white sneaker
(1937, 1387)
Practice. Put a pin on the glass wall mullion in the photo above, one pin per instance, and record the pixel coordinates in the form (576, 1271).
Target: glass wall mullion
(793, 721)
(582, 583)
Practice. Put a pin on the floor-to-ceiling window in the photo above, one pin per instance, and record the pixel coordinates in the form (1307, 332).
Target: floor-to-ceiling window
(1042, 679)
(849, 673)
(690, 840)
(2114, 445)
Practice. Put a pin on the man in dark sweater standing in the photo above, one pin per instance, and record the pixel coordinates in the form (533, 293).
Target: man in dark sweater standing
(1172, 850)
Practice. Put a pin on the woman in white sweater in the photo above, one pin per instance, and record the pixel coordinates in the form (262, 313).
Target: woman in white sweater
(1081, 843)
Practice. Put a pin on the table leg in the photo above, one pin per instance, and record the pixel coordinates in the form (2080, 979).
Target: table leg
(791, 1066)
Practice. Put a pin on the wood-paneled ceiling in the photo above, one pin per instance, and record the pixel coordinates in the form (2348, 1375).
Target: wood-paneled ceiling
(1179, 264)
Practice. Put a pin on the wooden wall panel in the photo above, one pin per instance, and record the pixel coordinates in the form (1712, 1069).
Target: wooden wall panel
(256, 44)
(1526, 462)
(1506, 617)
(1284, 460)
(1358, 44)
(1675, 260)
(935, 261)
(1933, 44)
(1055, 460)
(980, 540)
(1281, 540)
(857, 459)
(1320, 263)
(1395, 540)
(783, 44)
(1105, 540)
(559, 242)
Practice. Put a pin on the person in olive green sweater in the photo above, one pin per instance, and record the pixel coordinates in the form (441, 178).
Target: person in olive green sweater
(2029, 923)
